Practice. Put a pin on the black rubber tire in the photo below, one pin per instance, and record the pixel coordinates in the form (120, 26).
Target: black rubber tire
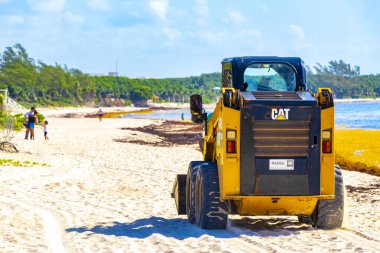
(210, 211)
(329, 213)
(304, 219)
(190, 190)
(201, 143)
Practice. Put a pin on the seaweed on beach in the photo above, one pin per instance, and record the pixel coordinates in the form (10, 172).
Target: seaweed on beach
(169, 132)
(358, 150)
(368, 192)
(363, 189)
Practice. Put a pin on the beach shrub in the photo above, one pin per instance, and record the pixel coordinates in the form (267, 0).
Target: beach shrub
(40, 118)
(19, 120)
(16, 163)
(128, 102)
(8, 130)
(1, 103)
(15, 120)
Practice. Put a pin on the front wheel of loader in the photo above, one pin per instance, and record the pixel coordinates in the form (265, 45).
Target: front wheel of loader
(210, 211)
(190, 190)
(328, 214)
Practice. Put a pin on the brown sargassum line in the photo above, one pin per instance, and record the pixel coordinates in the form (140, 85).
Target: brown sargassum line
(170, 133)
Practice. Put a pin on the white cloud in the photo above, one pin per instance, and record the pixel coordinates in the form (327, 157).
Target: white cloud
(159, 8)
(212, 38)
(171, 34)
(99, 5)
(246, 41)
(264, 8)
(74, 18)
(47, 5)
(254, 35)
(249, 41)
(237, 18)
(296, 32)
(15, 20)
(297, 39)
(200, 21)
(201, 7)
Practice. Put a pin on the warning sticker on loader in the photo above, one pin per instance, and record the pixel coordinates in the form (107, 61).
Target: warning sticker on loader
(281, 164)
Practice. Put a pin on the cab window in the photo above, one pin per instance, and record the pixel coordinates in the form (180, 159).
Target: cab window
(270, 77)
(226, 75)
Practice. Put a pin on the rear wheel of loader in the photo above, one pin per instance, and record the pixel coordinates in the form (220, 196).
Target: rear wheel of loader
(190, 190)
(210, 211)
(328, 214)
(304, 219)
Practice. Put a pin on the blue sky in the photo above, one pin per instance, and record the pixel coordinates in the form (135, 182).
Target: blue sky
(173, 38)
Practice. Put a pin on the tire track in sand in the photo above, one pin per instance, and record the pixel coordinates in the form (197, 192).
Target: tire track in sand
(52, 234)
(360, 234)
(355, 236)
(51, 228)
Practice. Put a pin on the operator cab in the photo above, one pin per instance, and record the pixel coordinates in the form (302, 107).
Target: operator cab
(261, 80)
(270, 80)
(264, 73)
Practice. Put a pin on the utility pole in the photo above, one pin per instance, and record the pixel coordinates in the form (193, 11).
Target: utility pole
(117, 74)
(117, 80)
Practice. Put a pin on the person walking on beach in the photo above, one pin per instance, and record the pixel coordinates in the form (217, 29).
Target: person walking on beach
(33, 120)
(100, 114)
(45, 130)
(26, 124)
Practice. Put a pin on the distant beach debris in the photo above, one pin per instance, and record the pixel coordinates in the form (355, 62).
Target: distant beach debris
(169, 133)
(109, 100)
(141, 103)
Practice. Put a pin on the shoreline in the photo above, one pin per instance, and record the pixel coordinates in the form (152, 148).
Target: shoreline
(109, 112)
(82, 110)
(154, 106)
(354, 100)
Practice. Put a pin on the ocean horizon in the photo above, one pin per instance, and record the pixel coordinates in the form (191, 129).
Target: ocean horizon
(359, 114)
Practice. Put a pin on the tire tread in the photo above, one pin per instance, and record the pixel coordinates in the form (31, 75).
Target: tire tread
(212, 212)
(329, 213)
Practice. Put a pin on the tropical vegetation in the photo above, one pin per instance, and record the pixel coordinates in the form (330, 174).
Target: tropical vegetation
(33, 82)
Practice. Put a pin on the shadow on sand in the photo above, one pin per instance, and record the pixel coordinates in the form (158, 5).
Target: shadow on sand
(180, 228)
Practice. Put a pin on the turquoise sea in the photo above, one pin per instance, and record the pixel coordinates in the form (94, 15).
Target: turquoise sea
(350, 114)
(358, 114)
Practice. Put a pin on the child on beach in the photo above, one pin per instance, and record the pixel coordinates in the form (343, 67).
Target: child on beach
(45, 129)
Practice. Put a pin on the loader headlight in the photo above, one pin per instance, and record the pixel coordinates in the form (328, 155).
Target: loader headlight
(231, 141)
(326, 134)
(231, 134)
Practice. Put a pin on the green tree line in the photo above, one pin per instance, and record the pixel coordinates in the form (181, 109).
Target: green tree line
(35, 82)
(344, 80)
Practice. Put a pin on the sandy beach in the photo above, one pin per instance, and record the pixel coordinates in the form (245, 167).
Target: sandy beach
(90, 193)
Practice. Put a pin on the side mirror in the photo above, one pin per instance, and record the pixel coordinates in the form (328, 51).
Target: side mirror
(196, 108)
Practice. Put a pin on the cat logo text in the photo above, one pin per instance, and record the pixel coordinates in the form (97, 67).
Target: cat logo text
(280, 113)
